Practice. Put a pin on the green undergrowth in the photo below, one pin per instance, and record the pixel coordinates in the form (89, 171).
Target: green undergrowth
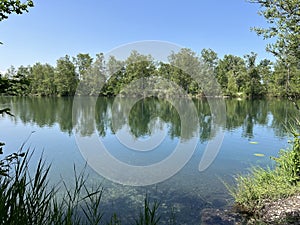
(261, 185)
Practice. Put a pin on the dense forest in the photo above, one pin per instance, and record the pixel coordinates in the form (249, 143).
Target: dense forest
(238, 76)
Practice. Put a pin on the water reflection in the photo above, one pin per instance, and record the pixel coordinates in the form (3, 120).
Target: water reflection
(150, 115)
(189, 191)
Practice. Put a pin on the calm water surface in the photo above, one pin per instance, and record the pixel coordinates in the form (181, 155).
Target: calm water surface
(251, 127)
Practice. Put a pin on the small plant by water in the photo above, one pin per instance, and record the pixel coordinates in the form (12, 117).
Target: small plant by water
(268, 184)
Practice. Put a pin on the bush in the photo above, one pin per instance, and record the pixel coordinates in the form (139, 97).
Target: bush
(269, 184)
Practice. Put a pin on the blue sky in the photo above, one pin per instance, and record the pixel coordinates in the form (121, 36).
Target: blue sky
(55, 28)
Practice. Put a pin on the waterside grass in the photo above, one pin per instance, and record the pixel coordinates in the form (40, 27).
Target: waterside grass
(27, 199)
(262, 185)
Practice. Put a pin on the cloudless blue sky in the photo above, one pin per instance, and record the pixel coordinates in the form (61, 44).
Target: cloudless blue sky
(55, 28)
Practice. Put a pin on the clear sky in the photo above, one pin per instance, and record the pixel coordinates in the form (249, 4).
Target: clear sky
(55, 28)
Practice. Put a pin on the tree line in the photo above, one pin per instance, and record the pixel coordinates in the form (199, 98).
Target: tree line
(237, 76)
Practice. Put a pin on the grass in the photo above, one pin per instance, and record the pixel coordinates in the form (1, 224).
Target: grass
(149, 215)
(261, 185)
(26, 199)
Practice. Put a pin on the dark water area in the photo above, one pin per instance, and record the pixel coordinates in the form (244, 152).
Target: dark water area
(254, 130)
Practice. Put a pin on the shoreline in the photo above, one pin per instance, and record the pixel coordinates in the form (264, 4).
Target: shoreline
(282, 211)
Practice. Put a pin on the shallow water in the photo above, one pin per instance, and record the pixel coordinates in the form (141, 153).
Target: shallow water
(253, 131)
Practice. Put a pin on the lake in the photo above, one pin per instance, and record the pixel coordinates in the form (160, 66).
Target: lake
(254, 131)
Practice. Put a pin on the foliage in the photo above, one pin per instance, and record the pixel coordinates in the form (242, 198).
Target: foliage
(8, 7)
(283, 16)
(290, 161)
(65, 78)
(41, 80)
(236, 76)
(269, 184)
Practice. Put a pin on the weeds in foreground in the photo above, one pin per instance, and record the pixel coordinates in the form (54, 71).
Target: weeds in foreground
(149, 215)
(26, 199)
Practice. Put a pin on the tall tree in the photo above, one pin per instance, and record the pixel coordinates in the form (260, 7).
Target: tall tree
(286, 80)
(96, 75)
(252, 83)
(18, 81)
(185, 68)
(83, 63)
(210, 56)
(116, 72)
(232, 88)
(265, 70)
(42, 80)
(284, 19)
(137, 67)
(283, 16)
(65, 77)
(235, 67)
(4, 84)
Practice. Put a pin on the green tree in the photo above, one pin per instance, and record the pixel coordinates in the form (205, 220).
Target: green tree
(209, 56)
(283, 16)
(286, 80)
(265, 70)
(97, 74)
(4, 84)
(252, 82)
(185, 69)
(42, 80)
(136, 66)
(18, 81)
(234, 66)
(65, 77)
(232, 87)
(116, 72)
(139, 66)
(83, 63)
(168, 72)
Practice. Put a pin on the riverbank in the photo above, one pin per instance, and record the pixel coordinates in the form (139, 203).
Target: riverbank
(271, 196)
(283, 211)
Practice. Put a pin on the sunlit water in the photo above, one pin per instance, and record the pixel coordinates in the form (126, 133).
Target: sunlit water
(252, 127)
